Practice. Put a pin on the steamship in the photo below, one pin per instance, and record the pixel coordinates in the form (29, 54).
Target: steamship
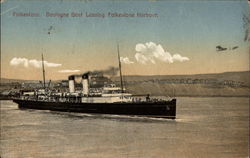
(110, 99)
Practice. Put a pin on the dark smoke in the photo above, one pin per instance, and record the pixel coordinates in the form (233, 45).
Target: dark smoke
(77, 75)
(111, 72)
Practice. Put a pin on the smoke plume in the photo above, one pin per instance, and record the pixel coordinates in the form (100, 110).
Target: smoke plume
(111, 71)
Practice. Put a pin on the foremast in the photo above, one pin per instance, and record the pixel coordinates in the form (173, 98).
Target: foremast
(120, 69)
(44, 86)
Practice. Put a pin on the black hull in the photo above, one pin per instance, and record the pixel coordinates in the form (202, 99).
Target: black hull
(166, 109)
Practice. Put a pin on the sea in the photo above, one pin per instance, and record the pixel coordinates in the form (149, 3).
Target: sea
(215, 127)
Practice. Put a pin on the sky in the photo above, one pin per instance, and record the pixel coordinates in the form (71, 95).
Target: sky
(180, 37)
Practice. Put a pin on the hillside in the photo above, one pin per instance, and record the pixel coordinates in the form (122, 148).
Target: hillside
(220, 84)
(242, 76)
(7, 80)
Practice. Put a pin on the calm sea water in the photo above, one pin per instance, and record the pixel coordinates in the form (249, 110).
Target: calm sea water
(205, 128)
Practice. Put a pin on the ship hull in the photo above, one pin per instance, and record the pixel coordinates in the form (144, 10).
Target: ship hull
(164, 109)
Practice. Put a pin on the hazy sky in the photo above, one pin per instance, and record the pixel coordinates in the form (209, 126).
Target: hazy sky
(181, 39)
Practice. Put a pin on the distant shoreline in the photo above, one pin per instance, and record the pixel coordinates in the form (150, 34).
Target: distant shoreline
(228, 84)
(139, 77)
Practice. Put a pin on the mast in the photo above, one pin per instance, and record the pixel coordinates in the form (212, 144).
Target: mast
(120, 67)
(43, 73)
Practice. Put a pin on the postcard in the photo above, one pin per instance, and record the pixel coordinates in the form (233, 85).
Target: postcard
(125, 79)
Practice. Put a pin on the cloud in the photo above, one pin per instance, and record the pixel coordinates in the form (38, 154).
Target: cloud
(19, 61)
(31, 63)
(178, 57)
(151, 52)
(68, 71)
(144, 58)
(126, 60)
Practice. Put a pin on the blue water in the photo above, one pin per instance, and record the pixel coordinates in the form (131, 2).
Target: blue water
(204, 128)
